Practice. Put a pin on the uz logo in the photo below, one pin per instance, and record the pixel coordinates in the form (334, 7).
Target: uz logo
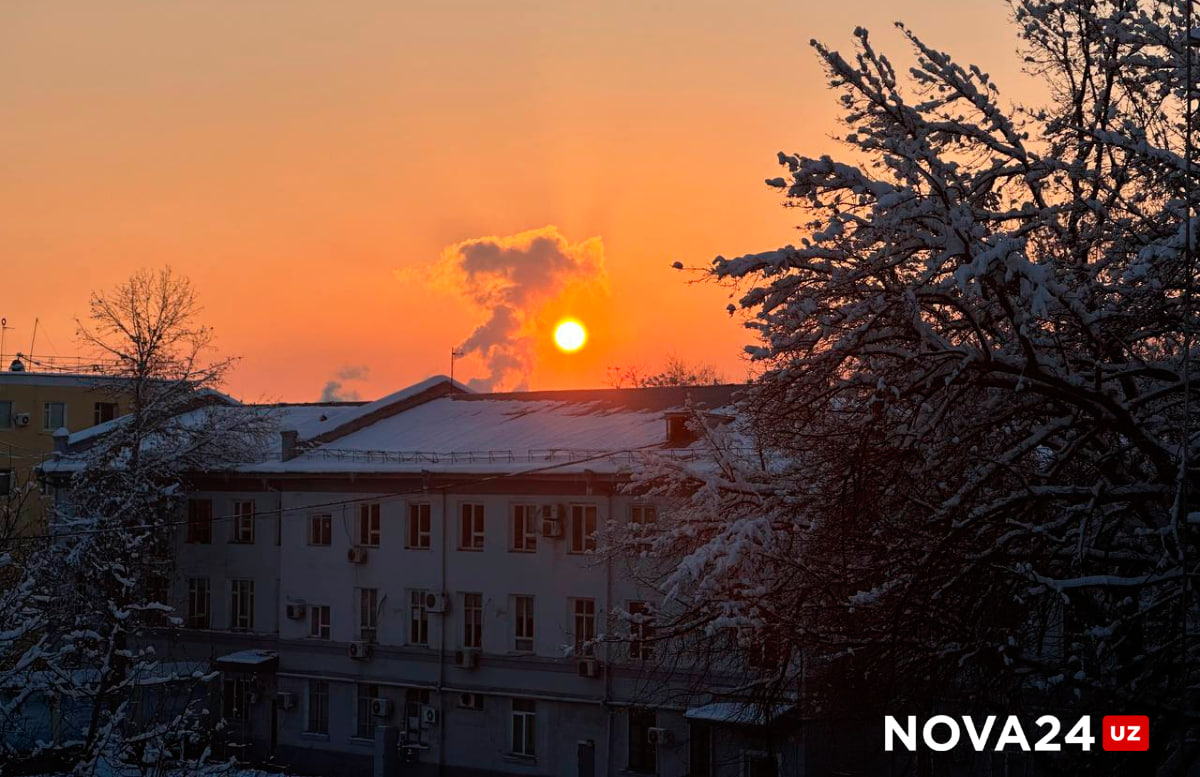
(1126, 732)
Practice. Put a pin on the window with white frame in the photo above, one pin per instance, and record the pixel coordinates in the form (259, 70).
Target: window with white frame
(241, 604)
(103, 412)
(583, 616)
(642, 518)
(414, 700)
(368, 525)
(525, 528)
(198, 604)
(583, 528)
(243, 521)
(641, 631)
(318, 707)
(320, 529)
(420, 525)
(368, 614)
(524, 728)
(319, 619)
(523, 623)
(418, 619)
(473, 620)
(199, 520)
(235, 698)
(470, 527)
(364, 723)
(54, 415)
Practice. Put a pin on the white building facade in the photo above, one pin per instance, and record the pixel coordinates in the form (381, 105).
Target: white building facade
(411, 587)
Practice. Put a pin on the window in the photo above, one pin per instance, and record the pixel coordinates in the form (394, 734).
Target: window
(364, 727)
(368, 525)
(243, 522)
(318, 621)
(473, 620)
(524, 728)
(54, 415)
(641, 520)
(241, 604)
(584, 617)
(583, 528)
(6, 415)
(320, 529)
(523, 622)
(418, 619)
(700, 751)
(318, 707)
(104, 412)
(525, 528)
(470, 527)
(368, 614)
(641, 631)
(414, 699)
(198, 602)
(418, 527)
(6, 482)
(643, 756)
(235, 698)
(199, 520)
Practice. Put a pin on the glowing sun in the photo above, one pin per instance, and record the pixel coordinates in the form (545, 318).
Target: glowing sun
(570, 335)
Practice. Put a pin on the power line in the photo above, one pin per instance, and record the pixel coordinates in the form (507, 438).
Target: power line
(336, 503)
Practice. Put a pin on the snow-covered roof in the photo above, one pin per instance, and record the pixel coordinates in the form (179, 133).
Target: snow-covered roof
(738, 713)
(600, 430)
(249, 659)
(439, 425)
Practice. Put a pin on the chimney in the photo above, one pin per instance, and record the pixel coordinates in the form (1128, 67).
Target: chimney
(288, 444)
(61, 436)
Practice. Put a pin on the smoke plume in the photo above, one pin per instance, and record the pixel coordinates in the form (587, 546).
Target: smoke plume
(511, 279)
(335, 390)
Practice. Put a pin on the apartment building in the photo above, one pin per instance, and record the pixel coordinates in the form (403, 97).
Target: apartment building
(412, 586)
(35, 404)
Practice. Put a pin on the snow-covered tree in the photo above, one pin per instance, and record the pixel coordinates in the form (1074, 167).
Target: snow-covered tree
(978, 441)
(80, 646)
(674, 372)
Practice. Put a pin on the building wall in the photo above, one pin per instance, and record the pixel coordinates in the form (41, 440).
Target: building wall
(24, 447)
(569, 709)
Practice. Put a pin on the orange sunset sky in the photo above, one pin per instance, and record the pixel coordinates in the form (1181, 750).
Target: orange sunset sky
(318, 169)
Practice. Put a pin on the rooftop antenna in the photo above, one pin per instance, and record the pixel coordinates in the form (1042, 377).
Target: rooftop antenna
(454, 354)
(33, 339)
(3, 333)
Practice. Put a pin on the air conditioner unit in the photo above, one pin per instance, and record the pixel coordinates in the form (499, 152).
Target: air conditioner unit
(20, 419)
(435, 601)
(296, 611)
(285, 700)
(470, 701)
(659, 736)
(552, 526)
(467, 658)
(381, 708)
(357, 555)
(360, 650)
(429, 715)
(588, 667)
